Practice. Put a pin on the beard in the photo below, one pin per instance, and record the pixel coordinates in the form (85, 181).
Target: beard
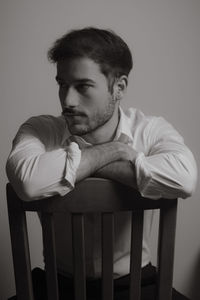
(82, 123)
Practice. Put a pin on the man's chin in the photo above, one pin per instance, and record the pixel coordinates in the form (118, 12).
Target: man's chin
(78, 130)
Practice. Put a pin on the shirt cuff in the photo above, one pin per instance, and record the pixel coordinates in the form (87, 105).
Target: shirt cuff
(144, 179)
(72, 163)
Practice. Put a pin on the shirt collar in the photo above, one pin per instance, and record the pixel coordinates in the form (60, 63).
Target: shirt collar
(123, 126)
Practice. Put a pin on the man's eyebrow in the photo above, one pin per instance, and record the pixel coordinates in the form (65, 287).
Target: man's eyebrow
(81, 80)
(84, 80)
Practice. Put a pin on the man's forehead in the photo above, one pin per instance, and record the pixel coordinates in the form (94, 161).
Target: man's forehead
(78, 67)
(76, 80)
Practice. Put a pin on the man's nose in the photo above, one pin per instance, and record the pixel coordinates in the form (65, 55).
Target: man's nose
(70, 98)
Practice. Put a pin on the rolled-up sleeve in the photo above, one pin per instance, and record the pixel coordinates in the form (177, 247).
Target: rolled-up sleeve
(35, 172)
(169, 169)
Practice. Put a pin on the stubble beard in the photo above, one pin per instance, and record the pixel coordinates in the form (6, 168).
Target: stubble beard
(98, 120)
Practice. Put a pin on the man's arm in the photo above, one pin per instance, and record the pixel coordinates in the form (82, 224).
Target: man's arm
(167, 171)
(106, 160)
(37, 172)
(114, 160)
(121, 171)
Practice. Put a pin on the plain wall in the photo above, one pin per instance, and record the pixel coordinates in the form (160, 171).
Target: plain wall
(164, 37)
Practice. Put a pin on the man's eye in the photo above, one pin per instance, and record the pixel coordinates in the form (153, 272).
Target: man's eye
(82, 88)
(62, 85)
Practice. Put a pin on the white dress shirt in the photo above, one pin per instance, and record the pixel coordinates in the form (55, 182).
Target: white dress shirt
(43, 162)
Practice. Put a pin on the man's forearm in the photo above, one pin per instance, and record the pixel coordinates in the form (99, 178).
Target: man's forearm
(121, 171)
(96, 157)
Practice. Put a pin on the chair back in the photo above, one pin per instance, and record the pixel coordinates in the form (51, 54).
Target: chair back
(90, 196)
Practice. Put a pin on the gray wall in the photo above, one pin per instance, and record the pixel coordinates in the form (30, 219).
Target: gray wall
(164, 36)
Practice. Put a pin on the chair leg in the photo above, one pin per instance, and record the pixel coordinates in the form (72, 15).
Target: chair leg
(21, 255)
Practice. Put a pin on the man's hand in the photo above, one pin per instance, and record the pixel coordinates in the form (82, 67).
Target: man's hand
(128, 153)
(123, 170)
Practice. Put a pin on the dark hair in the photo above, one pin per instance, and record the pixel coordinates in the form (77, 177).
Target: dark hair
(102, 46)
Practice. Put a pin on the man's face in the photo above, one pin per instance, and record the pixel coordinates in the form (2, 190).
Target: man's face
(86, 101)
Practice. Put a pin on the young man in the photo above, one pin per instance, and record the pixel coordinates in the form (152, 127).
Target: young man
(95, 137)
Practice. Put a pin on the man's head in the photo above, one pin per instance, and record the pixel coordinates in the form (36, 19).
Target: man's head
(92, 73)
(104, 47)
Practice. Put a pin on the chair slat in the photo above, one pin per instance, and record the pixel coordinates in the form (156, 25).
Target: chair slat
(136, 254)
(78, 242)
(50, 256)
(107, 255)
(166, 244)
(21, 255)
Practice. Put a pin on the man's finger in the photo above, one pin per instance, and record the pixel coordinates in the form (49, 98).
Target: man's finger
(123, 138)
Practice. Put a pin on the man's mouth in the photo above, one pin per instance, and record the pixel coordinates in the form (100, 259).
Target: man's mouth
(68, 113)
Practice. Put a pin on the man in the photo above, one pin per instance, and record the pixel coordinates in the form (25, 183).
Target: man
(95, 137)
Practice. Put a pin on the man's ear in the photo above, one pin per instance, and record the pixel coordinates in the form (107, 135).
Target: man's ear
(120, 87)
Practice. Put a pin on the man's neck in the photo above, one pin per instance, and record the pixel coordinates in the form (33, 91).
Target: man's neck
(105, 133)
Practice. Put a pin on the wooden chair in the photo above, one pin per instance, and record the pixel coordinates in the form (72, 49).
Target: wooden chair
(92, 195)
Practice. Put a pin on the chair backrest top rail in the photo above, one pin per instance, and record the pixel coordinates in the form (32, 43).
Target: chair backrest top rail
(108, 198)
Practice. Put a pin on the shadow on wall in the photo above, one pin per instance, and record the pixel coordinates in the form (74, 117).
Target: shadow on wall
(194, 288)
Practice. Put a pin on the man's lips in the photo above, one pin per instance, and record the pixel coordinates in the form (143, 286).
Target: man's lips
(72, 114)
